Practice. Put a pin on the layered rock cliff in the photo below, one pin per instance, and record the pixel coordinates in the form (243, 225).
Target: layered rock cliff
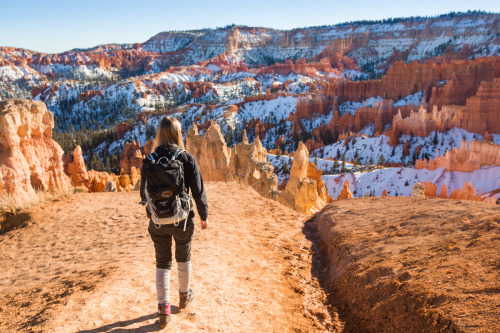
(30, 160)
(468, 158)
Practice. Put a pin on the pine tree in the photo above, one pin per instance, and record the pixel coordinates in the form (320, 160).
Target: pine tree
(381, 160)
(435, 141)
(356, 157)
(371, 159)
(336, 164)
(343, 162)
(285, 167)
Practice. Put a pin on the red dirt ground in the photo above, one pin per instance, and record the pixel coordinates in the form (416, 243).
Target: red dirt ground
(412, 265)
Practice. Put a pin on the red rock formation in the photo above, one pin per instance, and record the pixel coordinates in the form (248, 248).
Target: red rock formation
(260, 127)
(312, 145)
(312, 105)
(148, 147)
(384, 193)
(480, 115)
(430, 190)
(482, 111)
(444, 192)
(302, 193)
(121, 129)
(29, 159)
(89, 94)
(249, 167)
(478, 154)
(346, 192)
(131, 157)
(95, 181)
(211, 153)
(468, 192)
(75, 167)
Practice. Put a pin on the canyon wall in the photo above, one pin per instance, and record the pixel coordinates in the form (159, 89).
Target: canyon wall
(405, 79)
(481, 114)
(465, 159)
(30, 160)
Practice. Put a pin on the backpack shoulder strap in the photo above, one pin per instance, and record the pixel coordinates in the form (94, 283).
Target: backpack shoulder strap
(177, 152)
(152, 158)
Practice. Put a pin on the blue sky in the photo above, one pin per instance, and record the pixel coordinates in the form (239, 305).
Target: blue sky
(57, 26)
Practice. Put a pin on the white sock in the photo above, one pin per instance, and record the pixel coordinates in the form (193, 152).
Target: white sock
(184, 269)
(162, 285)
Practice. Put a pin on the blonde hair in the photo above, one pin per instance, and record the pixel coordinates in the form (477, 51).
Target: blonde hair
(169, 132)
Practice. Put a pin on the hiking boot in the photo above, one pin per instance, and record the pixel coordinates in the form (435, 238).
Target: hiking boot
(186, 298)
(164, 314)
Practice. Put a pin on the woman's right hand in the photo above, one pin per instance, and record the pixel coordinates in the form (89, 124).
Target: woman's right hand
(204, 225)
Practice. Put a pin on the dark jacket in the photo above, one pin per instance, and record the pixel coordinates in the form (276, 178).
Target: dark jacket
(192, 177)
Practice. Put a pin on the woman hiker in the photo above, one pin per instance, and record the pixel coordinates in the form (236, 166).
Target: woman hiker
(169, 147)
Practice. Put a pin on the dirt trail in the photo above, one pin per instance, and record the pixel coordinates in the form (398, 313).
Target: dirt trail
(86, 264)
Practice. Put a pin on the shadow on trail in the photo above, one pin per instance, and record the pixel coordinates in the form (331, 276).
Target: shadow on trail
(120, 326)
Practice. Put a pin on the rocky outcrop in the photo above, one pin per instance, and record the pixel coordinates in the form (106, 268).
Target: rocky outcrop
(482, 111)
(469, 157)
(75, 167)
(121, 129)
(418, 190)
(468, 192)
(312, 105)
(301, 193)
(346, 192)
(479, 115)
(249, 167)
(405, 79)
(131, 157)
(96, 181)
(30, 160)
(211, 152)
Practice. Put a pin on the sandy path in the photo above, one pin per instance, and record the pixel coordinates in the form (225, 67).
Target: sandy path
(86, 263)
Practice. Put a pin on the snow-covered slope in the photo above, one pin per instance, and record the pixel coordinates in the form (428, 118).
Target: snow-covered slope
(399, 181)
(420, 37)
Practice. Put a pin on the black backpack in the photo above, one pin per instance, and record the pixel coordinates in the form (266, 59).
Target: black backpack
(166, 194)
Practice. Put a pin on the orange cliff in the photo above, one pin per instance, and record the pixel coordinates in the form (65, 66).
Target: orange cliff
(312, 105)
(474, 93)
(30, 160)
(465, 159)
(481, 114)
(405, 79)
